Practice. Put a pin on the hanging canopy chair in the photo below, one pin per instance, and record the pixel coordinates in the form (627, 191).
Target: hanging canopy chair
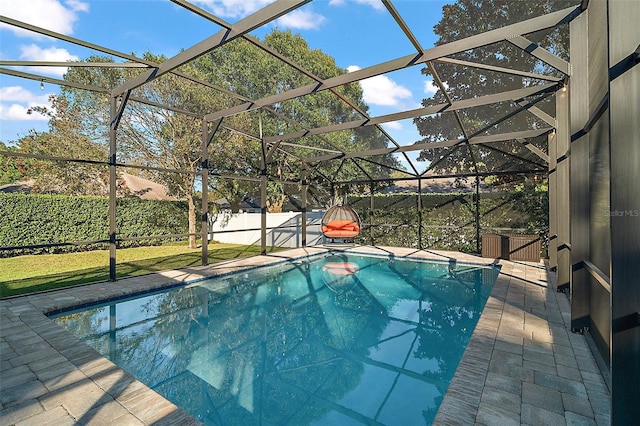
(340, 221)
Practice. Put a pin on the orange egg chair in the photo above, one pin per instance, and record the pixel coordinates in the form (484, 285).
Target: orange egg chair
(341, 222)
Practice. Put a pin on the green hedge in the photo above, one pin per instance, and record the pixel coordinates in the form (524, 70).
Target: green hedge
(448, 220)
(42, 219)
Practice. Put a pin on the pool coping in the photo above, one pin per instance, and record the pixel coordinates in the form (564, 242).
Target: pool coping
(521, 359)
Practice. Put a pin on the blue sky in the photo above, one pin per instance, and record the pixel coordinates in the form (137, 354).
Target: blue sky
(357, 33)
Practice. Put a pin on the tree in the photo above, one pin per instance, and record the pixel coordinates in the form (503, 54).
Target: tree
(253, 73)
(10, 167)
(64, 140)
(161, 138)
(149, 136)
(164, 139)
(469, 17)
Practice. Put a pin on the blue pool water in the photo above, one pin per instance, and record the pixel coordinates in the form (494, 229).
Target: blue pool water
(335, 340)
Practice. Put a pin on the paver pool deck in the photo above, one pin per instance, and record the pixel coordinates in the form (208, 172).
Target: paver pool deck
(523, 365)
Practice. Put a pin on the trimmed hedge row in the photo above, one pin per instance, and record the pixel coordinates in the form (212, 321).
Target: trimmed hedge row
(29, 219)
(448, 220)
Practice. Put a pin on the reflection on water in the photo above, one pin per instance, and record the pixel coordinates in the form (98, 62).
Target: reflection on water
(341, 340)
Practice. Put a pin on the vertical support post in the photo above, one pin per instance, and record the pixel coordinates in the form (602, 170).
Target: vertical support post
(477, 213)
(263, 211)
(371, 216)
(115, 114)
(113, 126)
(204, 231)
(263, 191)
(305, 188)
(563, 140)
(580, 208)
(419, 202)
(263, 194)
(553, 211)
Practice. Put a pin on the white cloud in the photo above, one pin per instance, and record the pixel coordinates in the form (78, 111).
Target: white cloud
(392, 125)
(381, 90)
(33, 52)
(233, 8)
(16, 112)
(301, 19)
(78, 6)
(376, 4)
(17, 101)
(430, 88)
(19, 93)
(50, 14)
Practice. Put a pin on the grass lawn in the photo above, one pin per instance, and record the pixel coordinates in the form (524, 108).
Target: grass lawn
(28, 274)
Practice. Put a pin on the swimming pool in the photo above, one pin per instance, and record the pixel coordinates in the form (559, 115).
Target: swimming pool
(333, 339)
